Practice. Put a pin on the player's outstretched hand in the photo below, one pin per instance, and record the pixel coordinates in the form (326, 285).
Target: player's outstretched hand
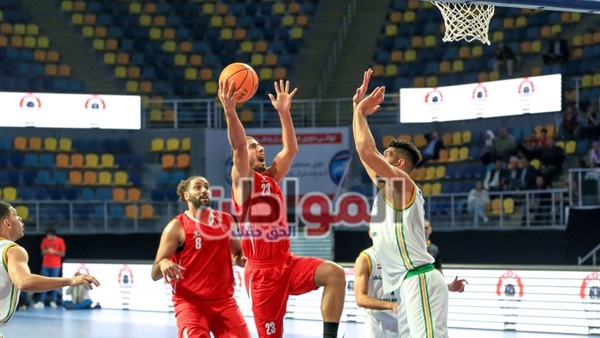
(457, 285)
(362, 90)
(170, 270)
(283, 102)
(370, 104)
(227, 95)
(82, 279)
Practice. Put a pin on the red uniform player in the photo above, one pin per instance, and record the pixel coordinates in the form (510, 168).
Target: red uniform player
(195, 255)
(273, 273)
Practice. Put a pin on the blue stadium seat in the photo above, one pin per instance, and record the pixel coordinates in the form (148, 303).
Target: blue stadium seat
(13, 177)
(116, 211)
(83, 212)
(162, 178)
(43, 177)
(55, 194)
(176, 177)
(157, 194)
(88, 194)
(29, 177)
(99, 212)
(25, 193)
(135, 178)
(103, 194)
(40, 193)
(60, 177)
(6, 143)
(16, 160)
(70, 194)
(47, 161)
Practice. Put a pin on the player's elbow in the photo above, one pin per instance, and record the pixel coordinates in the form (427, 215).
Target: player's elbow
(361, 300)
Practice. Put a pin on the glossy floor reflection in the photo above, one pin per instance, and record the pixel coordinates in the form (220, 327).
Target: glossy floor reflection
(59, 323)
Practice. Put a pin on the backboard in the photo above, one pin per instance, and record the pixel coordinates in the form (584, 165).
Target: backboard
(584, 6)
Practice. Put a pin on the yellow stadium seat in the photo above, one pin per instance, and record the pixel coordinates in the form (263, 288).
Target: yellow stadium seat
(216, 21)
(157, 144)
(208, 8)
(98, 44)
(453, 154)
(431, 81)
(440, 172)
(279, 8)
(570, 147)
(409, 16)
(508, 205)
(436, 188)
(132, 86)
(23, 212)
(463, 153)
(535, 163)
(91, 161)
(556, 29)
(457, 138)
(560, 144)
(246, 46)
(135, 8)
(77, 19)
(391, 70)
(19, 29)
(191, 73)
(536, 46)
(104, 178)
(156, 115)
(430, 173)
(297, 33)
(9, 194)
(288, 21)
(257, 60)
(173, 144)
(458, 66)
(430, 41)
(107, 161)
(120, 72)
(391, 30)
(121, 178)
(265, 74)
(186, 144)
(575, 17)
(50, 144)
(498, 36)
(211, 87)
(110, 58)
(66, 6)
(180, 60)
(65, 144)
(477, 51)
(226, 34)
(587, 81)
(170, 46)
(29, 42)
(426, 189)
(521, 22)
(466, 136)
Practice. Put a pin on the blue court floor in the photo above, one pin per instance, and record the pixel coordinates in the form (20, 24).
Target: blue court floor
(59, 323)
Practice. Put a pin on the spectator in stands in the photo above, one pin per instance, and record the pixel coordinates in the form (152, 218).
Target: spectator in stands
(504, 145)
(594, 160)
(558, 51)
(487, 152)
(511, 182)
(477, 203)
(527, 175)
(505, 57)
(551, 161)
(590, 128)
(533, 145)
(541, 202)
(433, 249)
(495, 179)
(570, 121)
(434, 145)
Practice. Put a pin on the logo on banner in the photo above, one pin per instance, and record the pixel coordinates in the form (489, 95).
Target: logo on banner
(526, 90)
(479, 97)
(434, 100)
(95, 106)
(589, 293)
(125, 283)
(30, 105)
(510, 290)
(338, 165)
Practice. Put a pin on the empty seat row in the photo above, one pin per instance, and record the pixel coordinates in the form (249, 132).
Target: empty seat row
(170, 144)
(36, 143)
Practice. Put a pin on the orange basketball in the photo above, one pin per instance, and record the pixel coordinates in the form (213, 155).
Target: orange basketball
(244, 79)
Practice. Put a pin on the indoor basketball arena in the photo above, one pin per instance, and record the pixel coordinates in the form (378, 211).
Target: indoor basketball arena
(120, 117)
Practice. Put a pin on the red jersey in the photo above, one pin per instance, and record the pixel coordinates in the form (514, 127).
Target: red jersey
(52, 260)
(263, 220)
(206, 255)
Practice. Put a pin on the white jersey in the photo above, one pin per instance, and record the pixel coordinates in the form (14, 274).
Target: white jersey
(399, 237)
(375, 287)
(9, 294)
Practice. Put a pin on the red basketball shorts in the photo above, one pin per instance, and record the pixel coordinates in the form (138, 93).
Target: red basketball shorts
(196, 319)
(269, 284)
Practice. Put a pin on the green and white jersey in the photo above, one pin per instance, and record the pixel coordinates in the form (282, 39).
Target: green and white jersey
(375, 286)
(9, 294)
(399, 237)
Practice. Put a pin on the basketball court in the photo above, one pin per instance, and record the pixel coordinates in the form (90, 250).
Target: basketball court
(59, 323)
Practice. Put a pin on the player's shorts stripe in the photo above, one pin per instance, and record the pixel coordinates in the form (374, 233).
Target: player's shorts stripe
(425, 306)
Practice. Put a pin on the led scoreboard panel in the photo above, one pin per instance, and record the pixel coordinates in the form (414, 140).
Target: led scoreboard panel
(557, 301)
(84, 111)
(529, 95)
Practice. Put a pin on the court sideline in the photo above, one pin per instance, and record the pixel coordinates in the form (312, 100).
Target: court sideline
(59, 323)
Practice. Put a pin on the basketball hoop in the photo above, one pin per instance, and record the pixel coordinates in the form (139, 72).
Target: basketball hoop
(466, 21)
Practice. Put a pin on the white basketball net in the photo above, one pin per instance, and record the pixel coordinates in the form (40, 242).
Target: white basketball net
(466, 21)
